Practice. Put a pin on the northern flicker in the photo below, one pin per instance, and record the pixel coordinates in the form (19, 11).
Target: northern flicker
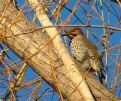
(85, 51)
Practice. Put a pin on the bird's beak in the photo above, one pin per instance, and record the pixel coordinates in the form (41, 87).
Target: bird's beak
(66, 34)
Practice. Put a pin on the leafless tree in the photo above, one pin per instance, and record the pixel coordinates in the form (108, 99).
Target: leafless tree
(41, 48)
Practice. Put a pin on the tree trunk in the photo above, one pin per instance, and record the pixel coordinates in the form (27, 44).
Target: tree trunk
(38, 43)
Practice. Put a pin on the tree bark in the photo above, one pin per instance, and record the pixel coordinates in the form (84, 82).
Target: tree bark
(35, 41)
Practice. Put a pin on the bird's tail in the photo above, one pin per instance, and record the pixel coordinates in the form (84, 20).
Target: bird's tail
(101, 76)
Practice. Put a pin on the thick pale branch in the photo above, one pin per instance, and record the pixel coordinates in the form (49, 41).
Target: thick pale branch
(72, 71)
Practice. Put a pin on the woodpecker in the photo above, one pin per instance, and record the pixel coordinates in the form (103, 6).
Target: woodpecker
(85, 51)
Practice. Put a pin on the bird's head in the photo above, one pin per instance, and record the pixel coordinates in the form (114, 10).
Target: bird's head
(73, 31)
